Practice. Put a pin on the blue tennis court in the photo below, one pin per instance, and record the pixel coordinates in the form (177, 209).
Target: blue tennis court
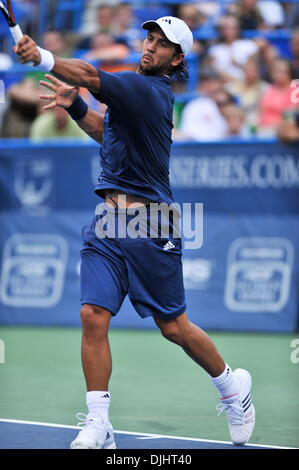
(16, 434)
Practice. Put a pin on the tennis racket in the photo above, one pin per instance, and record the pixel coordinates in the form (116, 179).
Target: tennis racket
(15, 29)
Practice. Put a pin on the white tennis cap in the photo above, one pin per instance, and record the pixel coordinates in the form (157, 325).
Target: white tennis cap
(175, 30)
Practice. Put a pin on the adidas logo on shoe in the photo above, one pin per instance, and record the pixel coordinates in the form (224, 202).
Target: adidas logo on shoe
(168, 246)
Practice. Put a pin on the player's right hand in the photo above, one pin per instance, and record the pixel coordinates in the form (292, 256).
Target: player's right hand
(64, 95)
(27, 51)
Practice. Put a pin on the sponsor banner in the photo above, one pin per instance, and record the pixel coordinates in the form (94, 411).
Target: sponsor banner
(243, 274)
(33, 270)
(240, 178)
(42, 178)
(242, 278)
(248, 177)
(259, 273)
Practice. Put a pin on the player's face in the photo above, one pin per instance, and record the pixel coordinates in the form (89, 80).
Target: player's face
(158, 54)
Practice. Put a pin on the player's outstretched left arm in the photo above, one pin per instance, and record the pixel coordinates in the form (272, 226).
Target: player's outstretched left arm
(64, 96)
(72, 71)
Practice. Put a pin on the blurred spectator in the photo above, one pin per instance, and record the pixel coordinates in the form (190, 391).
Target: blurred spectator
(258, 14)
(103, 47)
(105, 17)
(99, 18)
(105, 50)
(292, 18)
(222, 98)
(288, 129)
(295, 51)
(202, 119)
(54, 41)
(211, 11)
(192, 16)
(124, 29)
(267, 56)
(55, 124)
(248, 14)
(22, 109)
(277, 98)
(231, 53)
(272, 13)
(248, 93)
(235, 119)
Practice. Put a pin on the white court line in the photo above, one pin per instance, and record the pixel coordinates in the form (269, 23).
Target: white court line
(143, 435)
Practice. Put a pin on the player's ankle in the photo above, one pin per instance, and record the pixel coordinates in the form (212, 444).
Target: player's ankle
(227, 383)
(98, 403)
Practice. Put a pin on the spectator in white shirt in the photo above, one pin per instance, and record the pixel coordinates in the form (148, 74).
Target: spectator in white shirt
(229, 56)
(273, 13)
(202, 119)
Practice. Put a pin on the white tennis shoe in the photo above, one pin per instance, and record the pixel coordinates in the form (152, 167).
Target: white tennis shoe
(95, 433)
(239, 410)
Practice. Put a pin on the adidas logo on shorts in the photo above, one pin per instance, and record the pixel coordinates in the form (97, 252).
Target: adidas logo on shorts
(168, 246)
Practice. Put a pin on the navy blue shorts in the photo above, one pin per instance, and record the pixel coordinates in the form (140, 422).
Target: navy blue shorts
(148, 269)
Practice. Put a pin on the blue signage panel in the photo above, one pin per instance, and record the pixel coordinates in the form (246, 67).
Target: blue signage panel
(240, 255)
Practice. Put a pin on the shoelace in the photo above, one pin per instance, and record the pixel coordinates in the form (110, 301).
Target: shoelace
(84, 420)
(234, 412)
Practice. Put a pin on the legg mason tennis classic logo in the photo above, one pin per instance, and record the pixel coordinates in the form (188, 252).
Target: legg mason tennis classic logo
(259, 274)
(33, 182)
(33, 270)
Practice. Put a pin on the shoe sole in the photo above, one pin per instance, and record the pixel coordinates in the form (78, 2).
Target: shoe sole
(110, 446)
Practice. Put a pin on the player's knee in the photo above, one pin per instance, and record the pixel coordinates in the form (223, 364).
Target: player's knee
(93, 318)
(171, 332)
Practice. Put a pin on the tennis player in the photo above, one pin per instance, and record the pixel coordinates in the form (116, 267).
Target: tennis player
(136, 139)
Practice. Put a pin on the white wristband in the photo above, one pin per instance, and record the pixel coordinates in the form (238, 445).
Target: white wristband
(47, 60)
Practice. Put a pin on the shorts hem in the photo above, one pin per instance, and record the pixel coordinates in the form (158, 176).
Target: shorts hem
(93, 301)
(170, 316)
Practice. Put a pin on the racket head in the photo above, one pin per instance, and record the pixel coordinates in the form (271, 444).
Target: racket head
(6, 8)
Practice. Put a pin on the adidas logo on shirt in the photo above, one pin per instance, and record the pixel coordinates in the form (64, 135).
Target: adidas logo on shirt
(168, 246)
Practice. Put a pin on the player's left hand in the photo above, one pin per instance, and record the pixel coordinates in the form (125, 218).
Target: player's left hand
(64, 95)
(27, 51)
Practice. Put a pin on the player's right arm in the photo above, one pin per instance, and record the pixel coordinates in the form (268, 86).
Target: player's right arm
(128, 92)
(72, 71)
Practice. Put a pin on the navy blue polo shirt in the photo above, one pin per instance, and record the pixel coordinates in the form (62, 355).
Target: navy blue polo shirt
(137, 134)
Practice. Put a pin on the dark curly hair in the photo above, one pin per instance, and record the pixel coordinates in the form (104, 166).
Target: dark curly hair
(181, 71)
